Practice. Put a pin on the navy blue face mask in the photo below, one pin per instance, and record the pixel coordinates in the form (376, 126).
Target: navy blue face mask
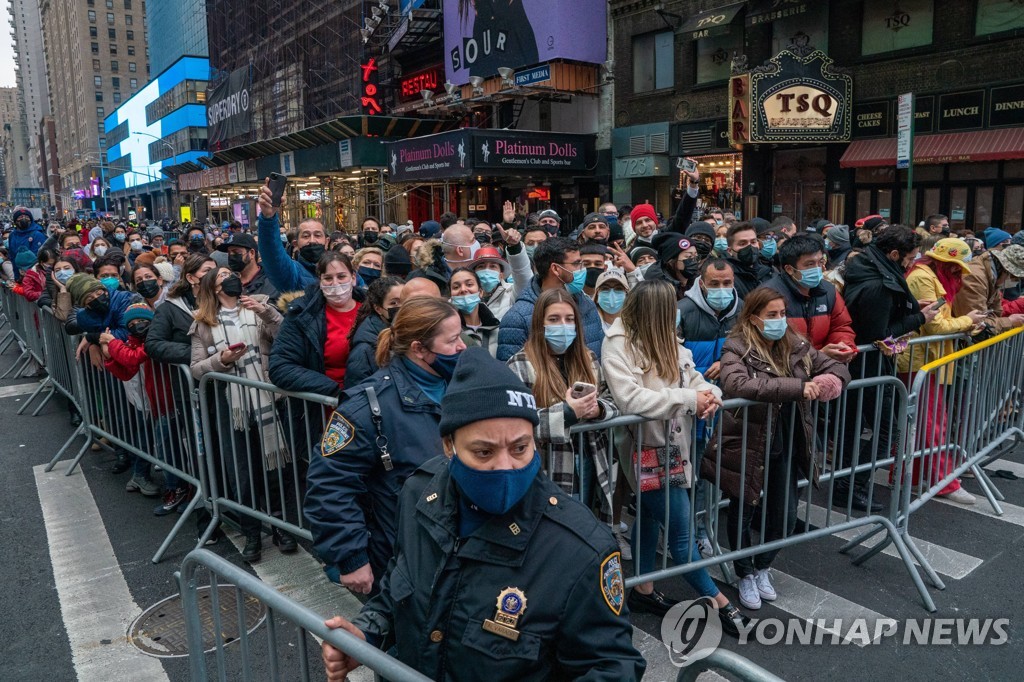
(496, 491)
(444, 365)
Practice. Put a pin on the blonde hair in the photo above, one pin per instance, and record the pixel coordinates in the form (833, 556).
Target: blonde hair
(207, 303)
(359, 255)
(550, 386)
(648, 316)
(417, 320)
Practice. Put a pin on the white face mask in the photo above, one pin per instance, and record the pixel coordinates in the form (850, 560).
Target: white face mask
(337, 294)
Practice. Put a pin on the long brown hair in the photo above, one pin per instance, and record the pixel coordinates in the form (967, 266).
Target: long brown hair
(417, 320)
(207, 303)
(550, 386)
(648, 317)
(193, 262)
(747, 330)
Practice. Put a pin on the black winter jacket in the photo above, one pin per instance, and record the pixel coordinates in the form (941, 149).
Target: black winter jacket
(168, 340)
(440, 589)
(749, 277)
(362, 360)
(297, 357)
(878, 298)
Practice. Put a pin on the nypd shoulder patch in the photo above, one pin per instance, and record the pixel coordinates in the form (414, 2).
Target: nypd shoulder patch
(337, 436)
(611, 582)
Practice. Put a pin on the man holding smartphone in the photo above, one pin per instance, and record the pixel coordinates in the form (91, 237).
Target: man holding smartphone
(286, 273)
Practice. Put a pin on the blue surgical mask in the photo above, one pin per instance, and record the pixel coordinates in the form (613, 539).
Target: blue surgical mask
(719, 299)
(811, 277)
(64, 275)
(774, 329)
(611, 300)
(369, 275)
(467, 303)
(444, 365)
(828, 245)
(579, 280)
(559, 337)
(768, 248)
(721, 244)
(111, 283)
(495, 491)
(530, 249)
(489, 279)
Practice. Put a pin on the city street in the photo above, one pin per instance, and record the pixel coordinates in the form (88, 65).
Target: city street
(77, 571)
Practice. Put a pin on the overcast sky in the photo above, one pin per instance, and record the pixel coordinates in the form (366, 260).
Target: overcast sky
(6, 51)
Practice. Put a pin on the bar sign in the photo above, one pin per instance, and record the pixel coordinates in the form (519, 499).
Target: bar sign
(905, 129)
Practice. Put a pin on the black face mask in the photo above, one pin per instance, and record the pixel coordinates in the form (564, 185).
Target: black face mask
(24, 223)
(592, 275)
(369, 237)
(100, 305)
(232, 287)
(196, 240)
(483, 238)
(703, 250)
(237, 262)
(747, 255)
(148, 288)
(311, 252)
(139, 329)
(691, 269)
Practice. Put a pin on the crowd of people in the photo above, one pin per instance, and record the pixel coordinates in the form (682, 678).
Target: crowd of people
(625, 313)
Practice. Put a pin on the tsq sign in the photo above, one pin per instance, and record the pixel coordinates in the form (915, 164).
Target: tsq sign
(228, 113)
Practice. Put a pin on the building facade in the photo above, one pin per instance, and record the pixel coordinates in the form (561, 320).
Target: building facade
(961, 61)
(32, 91)
(19, 178)
(176, 28)
(96, 58)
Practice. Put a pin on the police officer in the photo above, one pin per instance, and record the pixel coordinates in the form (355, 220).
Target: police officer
(497, 574)
(381, 432)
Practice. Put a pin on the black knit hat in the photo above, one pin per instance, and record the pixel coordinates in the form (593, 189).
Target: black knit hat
(701, 227)
(483, 388)
(669, 245)
(397, 262)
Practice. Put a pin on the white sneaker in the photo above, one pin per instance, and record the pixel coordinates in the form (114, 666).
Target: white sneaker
(624, 548)
(764, 584)
(960, 496)
(749, 595)
(705, 548)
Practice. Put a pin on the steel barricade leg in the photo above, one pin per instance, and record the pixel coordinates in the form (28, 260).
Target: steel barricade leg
(46, 400)
(81, 430)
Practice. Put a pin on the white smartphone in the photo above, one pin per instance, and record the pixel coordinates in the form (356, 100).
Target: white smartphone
(580, 389)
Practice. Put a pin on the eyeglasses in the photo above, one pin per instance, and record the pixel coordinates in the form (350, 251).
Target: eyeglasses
(571, 267)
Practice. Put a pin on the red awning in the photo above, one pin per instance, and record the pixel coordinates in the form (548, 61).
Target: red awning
(982, 145)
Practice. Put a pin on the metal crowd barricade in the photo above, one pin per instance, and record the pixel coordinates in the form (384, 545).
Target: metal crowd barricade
(722, 659)
(24, 330)
(152, 417)
(279, 609)
(790, 509)
(257, 464)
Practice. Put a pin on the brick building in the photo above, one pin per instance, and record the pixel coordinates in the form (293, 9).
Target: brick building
(962, 60)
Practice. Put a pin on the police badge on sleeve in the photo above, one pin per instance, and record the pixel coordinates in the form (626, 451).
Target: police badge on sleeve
(611, 582)
(338, 434)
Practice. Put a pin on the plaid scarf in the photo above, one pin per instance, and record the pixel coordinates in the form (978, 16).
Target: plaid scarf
(247, 401)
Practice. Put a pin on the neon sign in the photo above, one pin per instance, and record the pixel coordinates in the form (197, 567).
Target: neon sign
(370, 100)
(410, 86)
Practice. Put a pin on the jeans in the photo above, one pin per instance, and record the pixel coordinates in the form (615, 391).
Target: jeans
(779, 511)
(683, 549)
(700, 490)
(163, 448)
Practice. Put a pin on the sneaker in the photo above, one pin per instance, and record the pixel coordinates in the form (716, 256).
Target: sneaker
(172, 500)
(624, 549)
(705, 548)
(960, 496)
(622, 529)
(137, 484)
(763, 579)
(749, 595)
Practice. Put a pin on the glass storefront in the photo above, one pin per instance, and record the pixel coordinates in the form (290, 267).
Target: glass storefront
(798, 184)
(721, 182)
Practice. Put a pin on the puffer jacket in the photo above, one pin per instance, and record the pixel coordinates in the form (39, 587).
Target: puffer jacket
(821, 316)
(515, 326)
(85, 321)
(362, 353)
(746, 375)
(703, 329)
(32, 239)
(284, 272)
(168, 340)
(639, 391)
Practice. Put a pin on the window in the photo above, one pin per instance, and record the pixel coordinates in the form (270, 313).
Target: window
(131, 35)
(811, 24)
(131, 50)
(95, 48)
(117, 98)
(653, 61)
(114, 66)
(99, 96)
(115, 82)
(132, 67)
(996, 16)
(113, 48)
(92, 15)
(92, 3)
(110, 4)
(892, 26)
(110, 19)
(112, 33)
(714, 55)
(93, 33)
(128, 19)
(95, 65)
(100, 112)
(97, 81)
(133, 83)
(127, 4)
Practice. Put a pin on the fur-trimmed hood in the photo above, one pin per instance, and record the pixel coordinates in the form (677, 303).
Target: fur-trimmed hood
(287, 298)
(430, 255)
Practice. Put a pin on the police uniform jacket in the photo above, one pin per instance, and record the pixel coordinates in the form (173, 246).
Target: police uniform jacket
(549, 552)
(351, 498)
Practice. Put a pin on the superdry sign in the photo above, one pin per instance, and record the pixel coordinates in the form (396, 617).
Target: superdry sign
(228, 113)
(798, 96)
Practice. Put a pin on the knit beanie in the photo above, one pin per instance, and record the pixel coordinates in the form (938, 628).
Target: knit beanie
(147, 258)
(761, 226)
(1018, 238)
(137, 311)
(643, 211)
(994, 237)
(397, 262)
(81, 285)
(701, 227)
(839, 235)
(483, 388)
(669, 245)
(166, 271)
(25, 259)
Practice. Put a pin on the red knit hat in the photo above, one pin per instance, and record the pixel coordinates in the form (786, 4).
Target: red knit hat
(643, 211)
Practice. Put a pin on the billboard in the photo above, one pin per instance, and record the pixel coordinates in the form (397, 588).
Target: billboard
(228, 113)
(481, 35)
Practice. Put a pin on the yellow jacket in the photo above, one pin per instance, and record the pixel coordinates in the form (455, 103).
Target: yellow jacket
(925, 286)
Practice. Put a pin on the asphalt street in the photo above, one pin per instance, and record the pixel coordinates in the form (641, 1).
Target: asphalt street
(62, 595)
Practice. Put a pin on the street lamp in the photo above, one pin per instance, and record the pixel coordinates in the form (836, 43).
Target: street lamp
(174, 161)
